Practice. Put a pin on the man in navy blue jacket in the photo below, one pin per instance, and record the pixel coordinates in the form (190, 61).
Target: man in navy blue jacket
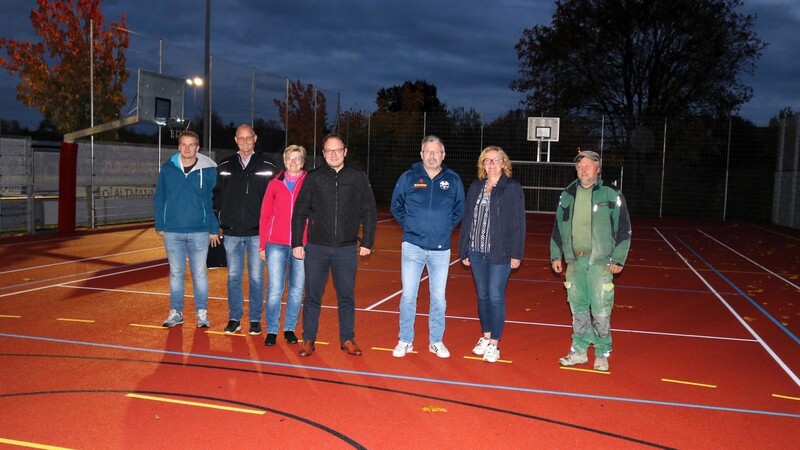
(428, 202)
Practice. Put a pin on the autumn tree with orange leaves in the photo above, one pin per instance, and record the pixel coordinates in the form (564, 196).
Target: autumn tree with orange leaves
(55, 72)
(304, 101)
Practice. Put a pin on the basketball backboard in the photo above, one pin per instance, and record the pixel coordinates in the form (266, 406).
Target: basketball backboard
(159, 97)
(543, 129)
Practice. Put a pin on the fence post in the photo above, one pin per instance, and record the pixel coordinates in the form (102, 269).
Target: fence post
(663, 167)
(727, 173)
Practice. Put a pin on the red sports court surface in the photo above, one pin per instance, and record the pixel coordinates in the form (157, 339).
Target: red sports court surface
(706, 353)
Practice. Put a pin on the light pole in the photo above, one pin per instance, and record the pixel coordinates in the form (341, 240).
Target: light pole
(194, 82)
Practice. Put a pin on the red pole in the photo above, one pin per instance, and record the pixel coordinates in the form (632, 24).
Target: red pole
(67, 185)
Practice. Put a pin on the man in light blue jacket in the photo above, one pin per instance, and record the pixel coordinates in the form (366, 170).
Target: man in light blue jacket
(428, 202)
(185, 217)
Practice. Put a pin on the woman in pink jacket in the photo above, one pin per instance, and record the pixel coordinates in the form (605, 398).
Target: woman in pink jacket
(275, 229)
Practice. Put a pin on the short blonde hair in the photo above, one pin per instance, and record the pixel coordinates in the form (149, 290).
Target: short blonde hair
(505, 161)
(294, 148)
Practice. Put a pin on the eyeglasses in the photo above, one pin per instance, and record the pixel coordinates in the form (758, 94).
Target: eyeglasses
(294, 158)
(432, 152)
(490, 161)
(245, 138)
(337, 151)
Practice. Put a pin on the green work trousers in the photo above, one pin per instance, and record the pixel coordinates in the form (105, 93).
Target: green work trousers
(590, 291)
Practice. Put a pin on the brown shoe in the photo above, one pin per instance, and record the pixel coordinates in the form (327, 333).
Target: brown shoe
(306, 348)
(351, 347)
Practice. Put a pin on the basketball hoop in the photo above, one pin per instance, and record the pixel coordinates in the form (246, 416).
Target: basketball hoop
(177, 125)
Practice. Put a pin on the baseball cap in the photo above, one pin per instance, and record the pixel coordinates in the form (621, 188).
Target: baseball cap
(587, 154)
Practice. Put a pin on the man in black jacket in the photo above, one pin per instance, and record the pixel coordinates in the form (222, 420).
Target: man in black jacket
(242, 179)
(336, 200)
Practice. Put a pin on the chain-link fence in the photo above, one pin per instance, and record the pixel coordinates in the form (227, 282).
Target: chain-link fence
(717, 169)
(711, 169)
(722, 170)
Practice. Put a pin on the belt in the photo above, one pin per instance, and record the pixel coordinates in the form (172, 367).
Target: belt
(582, 254)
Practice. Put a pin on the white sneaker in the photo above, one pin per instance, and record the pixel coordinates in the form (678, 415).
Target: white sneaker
(175, 318)
(601, 363)
(202, 319)
(439, 350)
(492, 353)
(402, 349)
(480, 347)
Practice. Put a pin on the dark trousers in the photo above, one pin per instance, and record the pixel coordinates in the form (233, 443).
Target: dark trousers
(342, 262)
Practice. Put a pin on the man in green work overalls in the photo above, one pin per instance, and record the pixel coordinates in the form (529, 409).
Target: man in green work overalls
(592, 234)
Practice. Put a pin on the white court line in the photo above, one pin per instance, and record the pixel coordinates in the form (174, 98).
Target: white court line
(131, 291)
(754, 263)
(773, 231)
(80, 260)
(559, 325)
(391, 296)
(516, 322)
(82, 279)
(370, 308)
(766, 347)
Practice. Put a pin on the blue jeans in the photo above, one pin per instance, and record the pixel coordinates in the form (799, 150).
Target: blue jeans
(490, 284)
(414, 259)
(178, 247)
(342, 263)
(279, 258)
(235, 249)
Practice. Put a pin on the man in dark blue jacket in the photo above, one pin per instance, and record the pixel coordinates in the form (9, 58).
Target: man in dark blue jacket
(336, 200)
(428, 202)
(241, 184)
(185, 218)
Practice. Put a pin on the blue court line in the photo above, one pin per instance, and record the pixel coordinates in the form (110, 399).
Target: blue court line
(753, 302)
(408, 378)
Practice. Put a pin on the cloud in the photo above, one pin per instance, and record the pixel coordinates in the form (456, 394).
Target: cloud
(355, 47)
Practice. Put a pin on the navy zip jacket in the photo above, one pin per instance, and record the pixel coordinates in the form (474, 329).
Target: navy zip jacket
(240, 191)
(428, 209)
(506, 216)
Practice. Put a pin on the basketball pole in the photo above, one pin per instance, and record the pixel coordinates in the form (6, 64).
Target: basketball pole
(207, 90)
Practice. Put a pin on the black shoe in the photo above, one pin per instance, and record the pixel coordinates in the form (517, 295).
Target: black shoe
(290, 337)
(233, 327)
(270, 340)
(255, 328)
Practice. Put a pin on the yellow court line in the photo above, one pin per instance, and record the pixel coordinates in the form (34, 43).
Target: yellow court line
(381, 349)
(785, 397)
(578, 369)
(228, 334)
(65, 319)
(148, 326)
(202, 405)
(480, 358)
(6, 316)
(318, 342)
(30, 444)
(667, 380)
